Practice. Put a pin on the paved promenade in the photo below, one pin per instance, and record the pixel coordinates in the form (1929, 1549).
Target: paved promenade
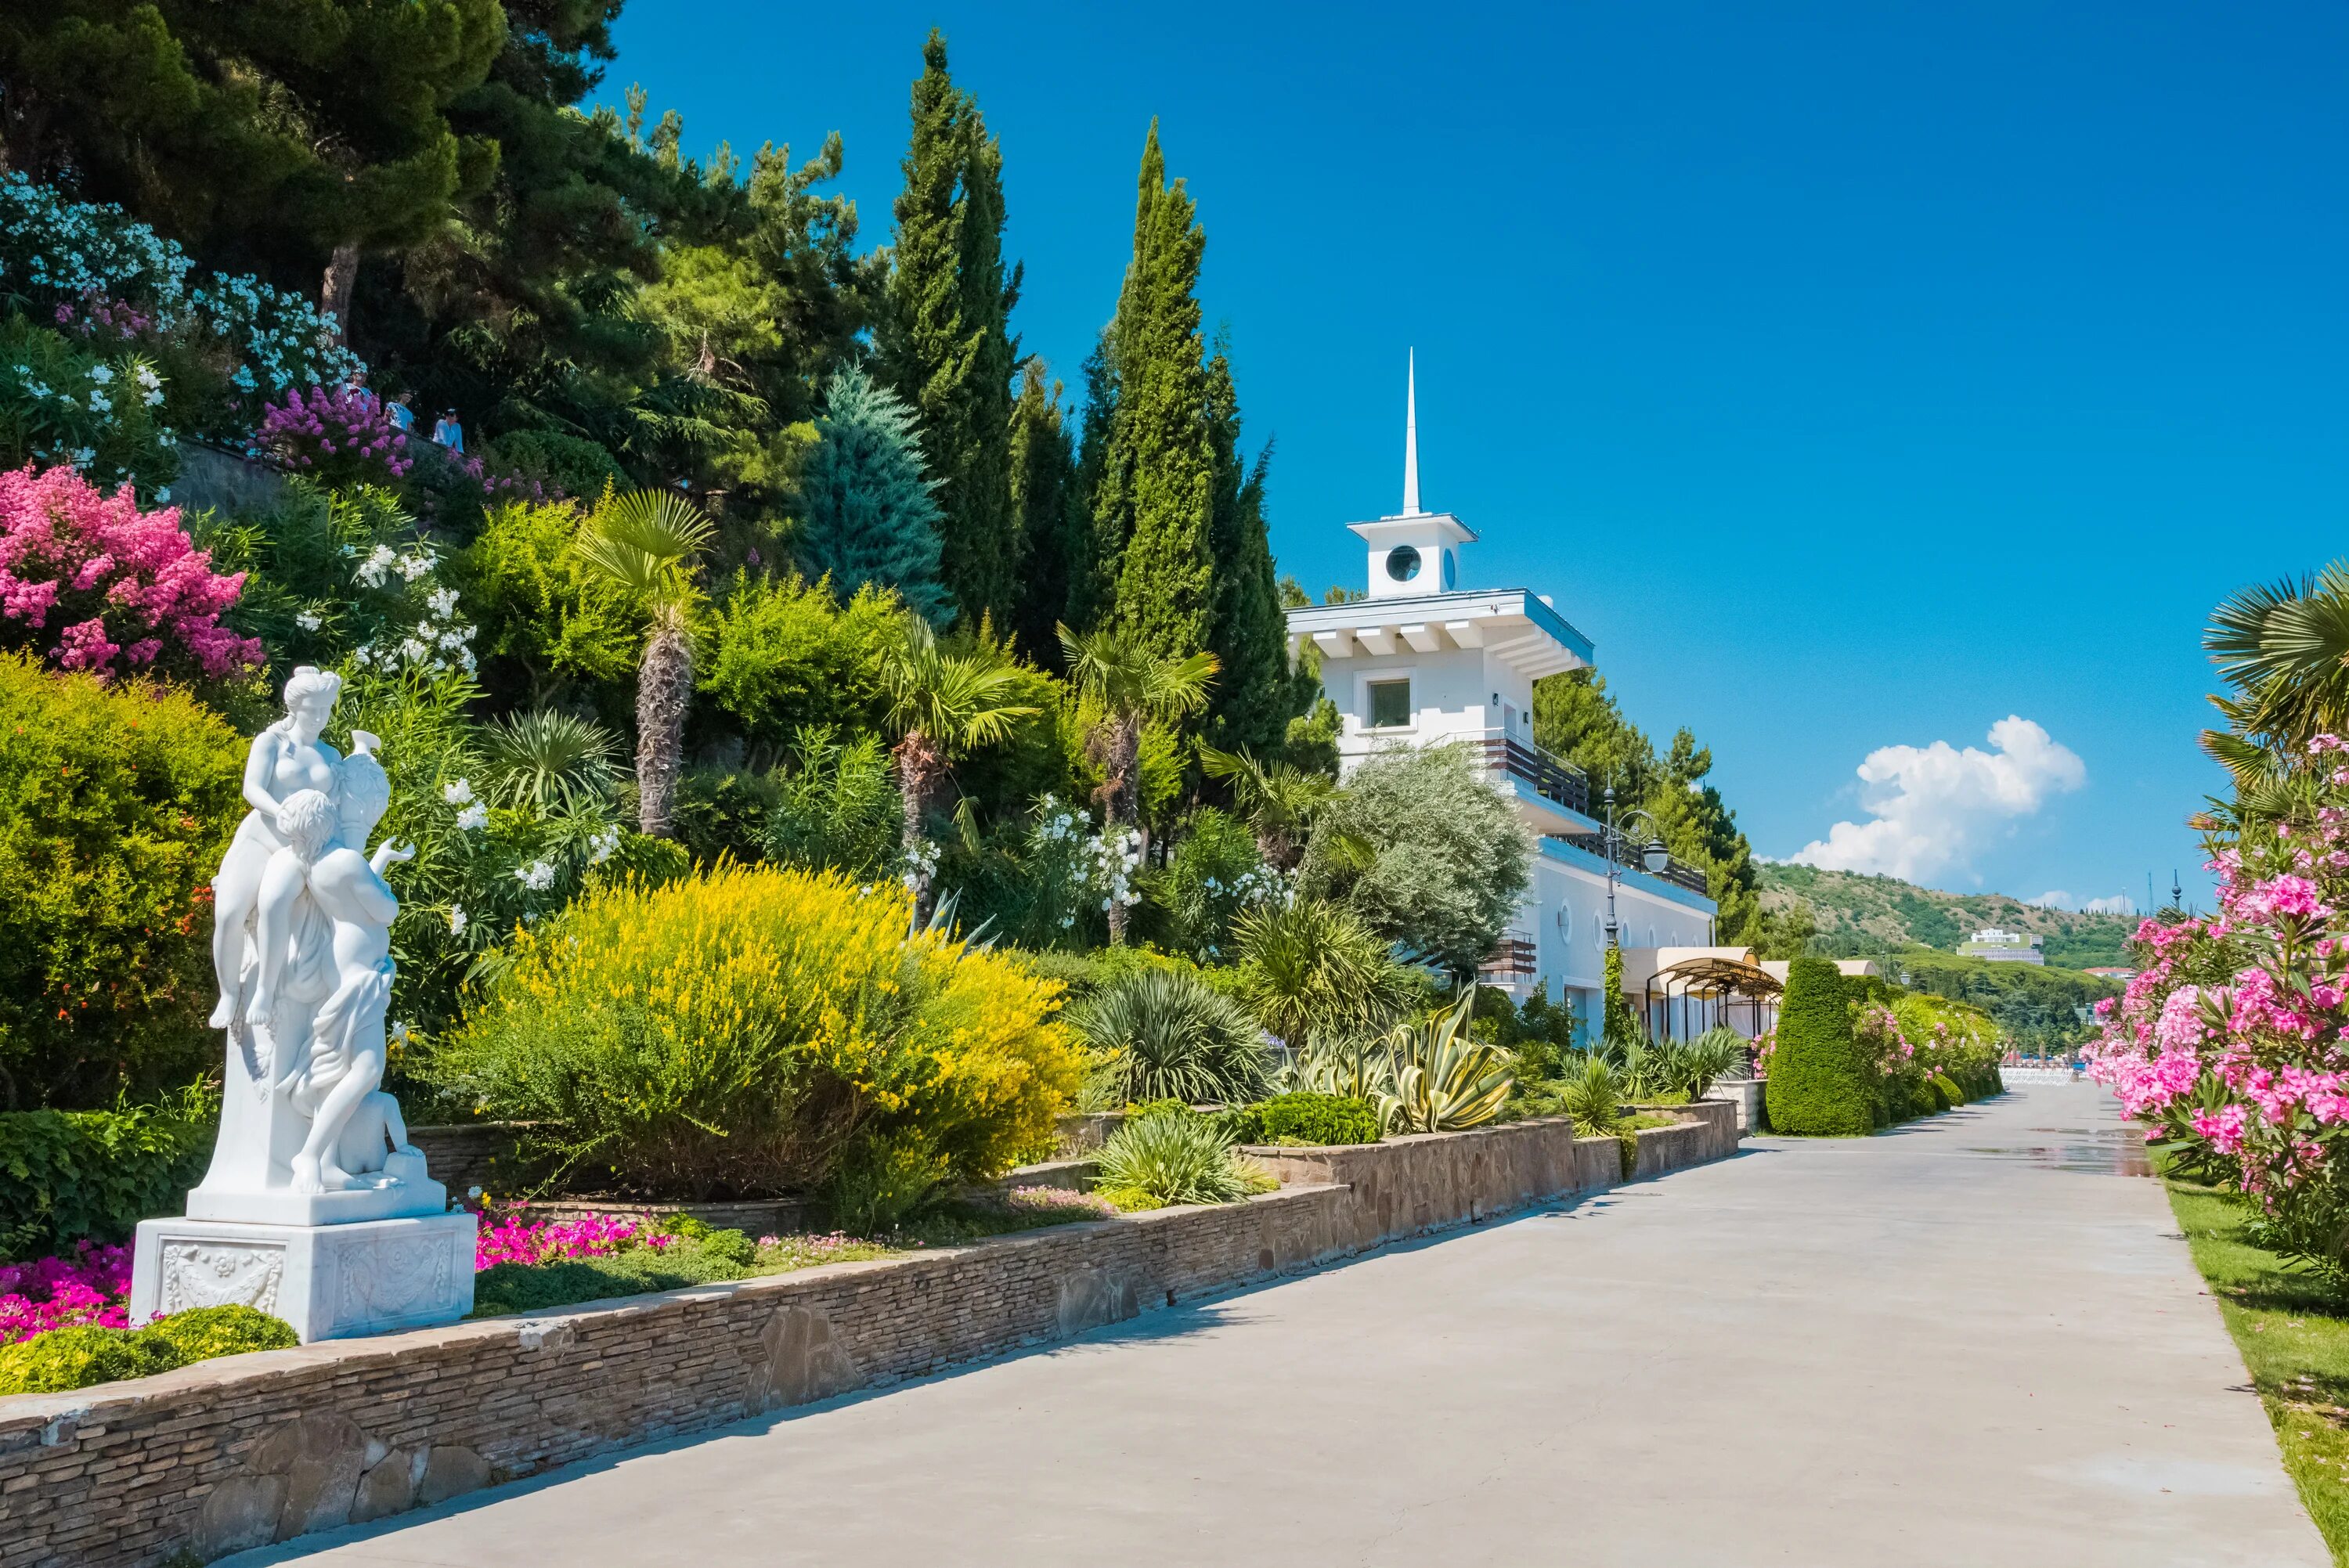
(1974, 1340)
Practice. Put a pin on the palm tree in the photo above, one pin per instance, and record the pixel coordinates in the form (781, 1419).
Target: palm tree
(650, 543)
(1133, 685)
(2284, 648)
(942, 705)
(1279, 803)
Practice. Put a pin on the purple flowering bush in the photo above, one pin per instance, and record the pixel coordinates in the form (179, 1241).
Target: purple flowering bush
(341, 437)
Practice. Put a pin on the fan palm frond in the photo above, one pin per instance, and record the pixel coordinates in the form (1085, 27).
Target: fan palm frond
(550, 760)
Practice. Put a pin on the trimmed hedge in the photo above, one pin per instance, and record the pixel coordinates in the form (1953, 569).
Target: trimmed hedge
(1817, 1085)
(1317, 1118)
(68, 1358)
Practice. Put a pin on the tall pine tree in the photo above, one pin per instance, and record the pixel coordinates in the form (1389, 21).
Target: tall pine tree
(1049, 509)
(866, 514)
(1093, 563)
(1155, 507)
(945, 340)
(1257, 693)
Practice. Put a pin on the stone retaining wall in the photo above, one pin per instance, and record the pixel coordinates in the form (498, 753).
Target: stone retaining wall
(241, 1451)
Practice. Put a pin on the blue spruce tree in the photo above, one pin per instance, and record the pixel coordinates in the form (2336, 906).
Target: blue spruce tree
(867, 514)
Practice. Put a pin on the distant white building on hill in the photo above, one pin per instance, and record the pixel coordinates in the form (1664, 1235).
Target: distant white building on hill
(2005, 946)
(1421, 660)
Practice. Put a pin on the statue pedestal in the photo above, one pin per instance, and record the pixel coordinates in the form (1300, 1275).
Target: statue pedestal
(330, 1282)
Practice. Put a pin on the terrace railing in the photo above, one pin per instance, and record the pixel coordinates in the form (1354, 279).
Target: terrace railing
(1552, 780)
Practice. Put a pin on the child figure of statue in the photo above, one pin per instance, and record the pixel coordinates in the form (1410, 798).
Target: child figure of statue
(287, 759)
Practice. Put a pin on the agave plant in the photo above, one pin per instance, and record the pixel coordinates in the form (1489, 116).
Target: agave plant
(1357, 1069)
(1171, 1156)
(1444, 1077)
(550, 761)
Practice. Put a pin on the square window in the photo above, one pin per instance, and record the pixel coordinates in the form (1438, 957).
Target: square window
(1390, 705)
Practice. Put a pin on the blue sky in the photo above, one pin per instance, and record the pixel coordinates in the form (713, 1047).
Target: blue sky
(1858, 377)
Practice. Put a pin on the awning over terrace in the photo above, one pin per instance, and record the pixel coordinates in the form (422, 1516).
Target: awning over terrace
(1685, 991)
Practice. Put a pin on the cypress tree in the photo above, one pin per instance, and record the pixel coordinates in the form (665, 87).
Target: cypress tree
(945, 341)
(1817, 1084)
(867, 513)
(1257, 692)
(1048, 507)
(1157, 489)
(1092, 565)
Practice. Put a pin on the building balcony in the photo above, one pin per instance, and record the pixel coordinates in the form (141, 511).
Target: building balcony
(1551, 779)
(1678, 873)
(1513, 959)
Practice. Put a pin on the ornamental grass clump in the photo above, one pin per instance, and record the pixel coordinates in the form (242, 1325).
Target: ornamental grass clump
(737, 1033)
(1173, 1157)
(1819, 1084)
(1166, 1034)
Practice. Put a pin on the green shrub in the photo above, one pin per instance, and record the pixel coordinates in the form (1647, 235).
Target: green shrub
(1317, 1118)
(571, 464)
(534, 1287)
(1174, 1036)
(780, 655)
(834, 807)
(1215, 873)
(202, 1333)
(739, 1031)
(1949, 1089)
(68, 1358)
(116, 803)
(67, 1175)
(46, 382)
(1170, 1158)
(884, 1183)
(1819, 1086)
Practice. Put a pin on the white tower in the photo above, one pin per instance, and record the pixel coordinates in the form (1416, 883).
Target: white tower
(1415, 551)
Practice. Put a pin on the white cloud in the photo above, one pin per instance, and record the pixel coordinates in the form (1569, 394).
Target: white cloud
(2119, 904)
(1933, 806)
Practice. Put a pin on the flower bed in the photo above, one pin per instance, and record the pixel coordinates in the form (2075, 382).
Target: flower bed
(92, 1287)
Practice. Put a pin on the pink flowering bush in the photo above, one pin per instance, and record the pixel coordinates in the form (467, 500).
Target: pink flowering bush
(512, 1237)
(99, 586)
(2233, 1042)
(86, 1289)
(342, 437)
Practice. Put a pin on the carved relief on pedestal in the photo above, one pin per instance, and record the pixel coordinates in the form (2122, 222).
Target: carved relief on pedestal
(221, 1273)
(390, 1277)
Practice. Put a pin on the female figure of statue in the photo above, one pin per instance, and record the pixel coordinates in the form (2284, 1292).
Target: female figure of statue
(287, 759)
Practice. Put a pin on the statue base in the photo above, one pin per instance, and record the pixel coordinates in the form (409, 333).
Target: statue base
(330, 1282)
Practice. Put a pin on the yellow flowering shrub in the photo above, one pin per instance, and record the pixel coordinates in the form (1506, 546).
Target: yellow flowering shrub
(734, 1031)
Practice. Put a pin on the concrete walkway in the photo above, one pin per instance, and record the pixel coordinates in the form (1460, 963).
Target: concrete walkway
(1969, 1341)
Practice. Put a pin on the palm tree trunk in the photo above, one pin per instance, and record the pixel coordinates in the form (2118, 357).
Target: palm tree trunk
(919, 762)
(664, 690)
(1122, 800)
(336, 288)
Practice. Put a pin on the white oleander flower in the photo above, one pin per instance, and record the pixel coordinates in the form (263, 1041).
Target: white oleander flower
(456, 920)
(537, 876)
(476, 815)
(459, 793)
(308, 620)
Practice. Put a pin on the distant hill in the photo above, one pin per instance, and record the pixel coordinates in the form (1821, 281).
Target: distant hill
(1857, 915)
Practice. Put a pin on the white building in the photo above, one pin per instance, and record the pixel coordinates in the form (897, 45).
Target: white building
(1422, 661)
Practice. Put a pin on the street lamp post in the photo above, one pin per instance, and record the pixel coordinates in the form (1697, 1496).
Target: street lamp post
(1616, 844)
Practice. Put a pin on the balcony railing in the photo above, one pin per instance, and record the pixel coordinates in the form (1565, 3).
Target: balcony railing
(1512, 957)
(1551, 779)
(1679, 873)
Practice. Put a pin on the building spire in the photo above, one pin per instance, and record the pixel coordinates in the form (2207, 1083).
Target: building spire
(1410, 433)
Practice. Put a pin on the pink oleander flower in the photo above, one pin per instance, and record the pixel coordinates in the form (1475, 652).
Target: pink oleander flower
(131, 585)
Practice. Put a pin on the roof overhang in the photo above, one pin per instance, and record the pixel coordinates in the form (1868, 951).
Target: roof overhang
(1512, 625)
(1418, 524)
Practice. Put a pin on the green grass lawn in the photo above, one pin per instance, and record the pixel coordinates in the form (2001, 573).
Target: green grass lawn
(2294, 1329)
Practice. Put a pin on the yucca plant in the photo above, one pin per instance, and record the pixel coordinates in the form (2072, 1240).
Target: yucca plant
(1170, 1156)
(1592, 1099)
(1173, 1036)
(1445, 1078)
(549, 761)
(650, 544)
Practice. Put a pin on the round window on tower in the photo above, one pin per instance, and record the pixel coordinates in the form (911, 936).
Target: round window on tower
(1402, 563)
(1451, 565)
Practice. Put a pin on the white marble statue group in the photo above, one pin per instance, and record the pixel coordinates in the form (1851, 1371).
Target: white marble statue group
(302, 948)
